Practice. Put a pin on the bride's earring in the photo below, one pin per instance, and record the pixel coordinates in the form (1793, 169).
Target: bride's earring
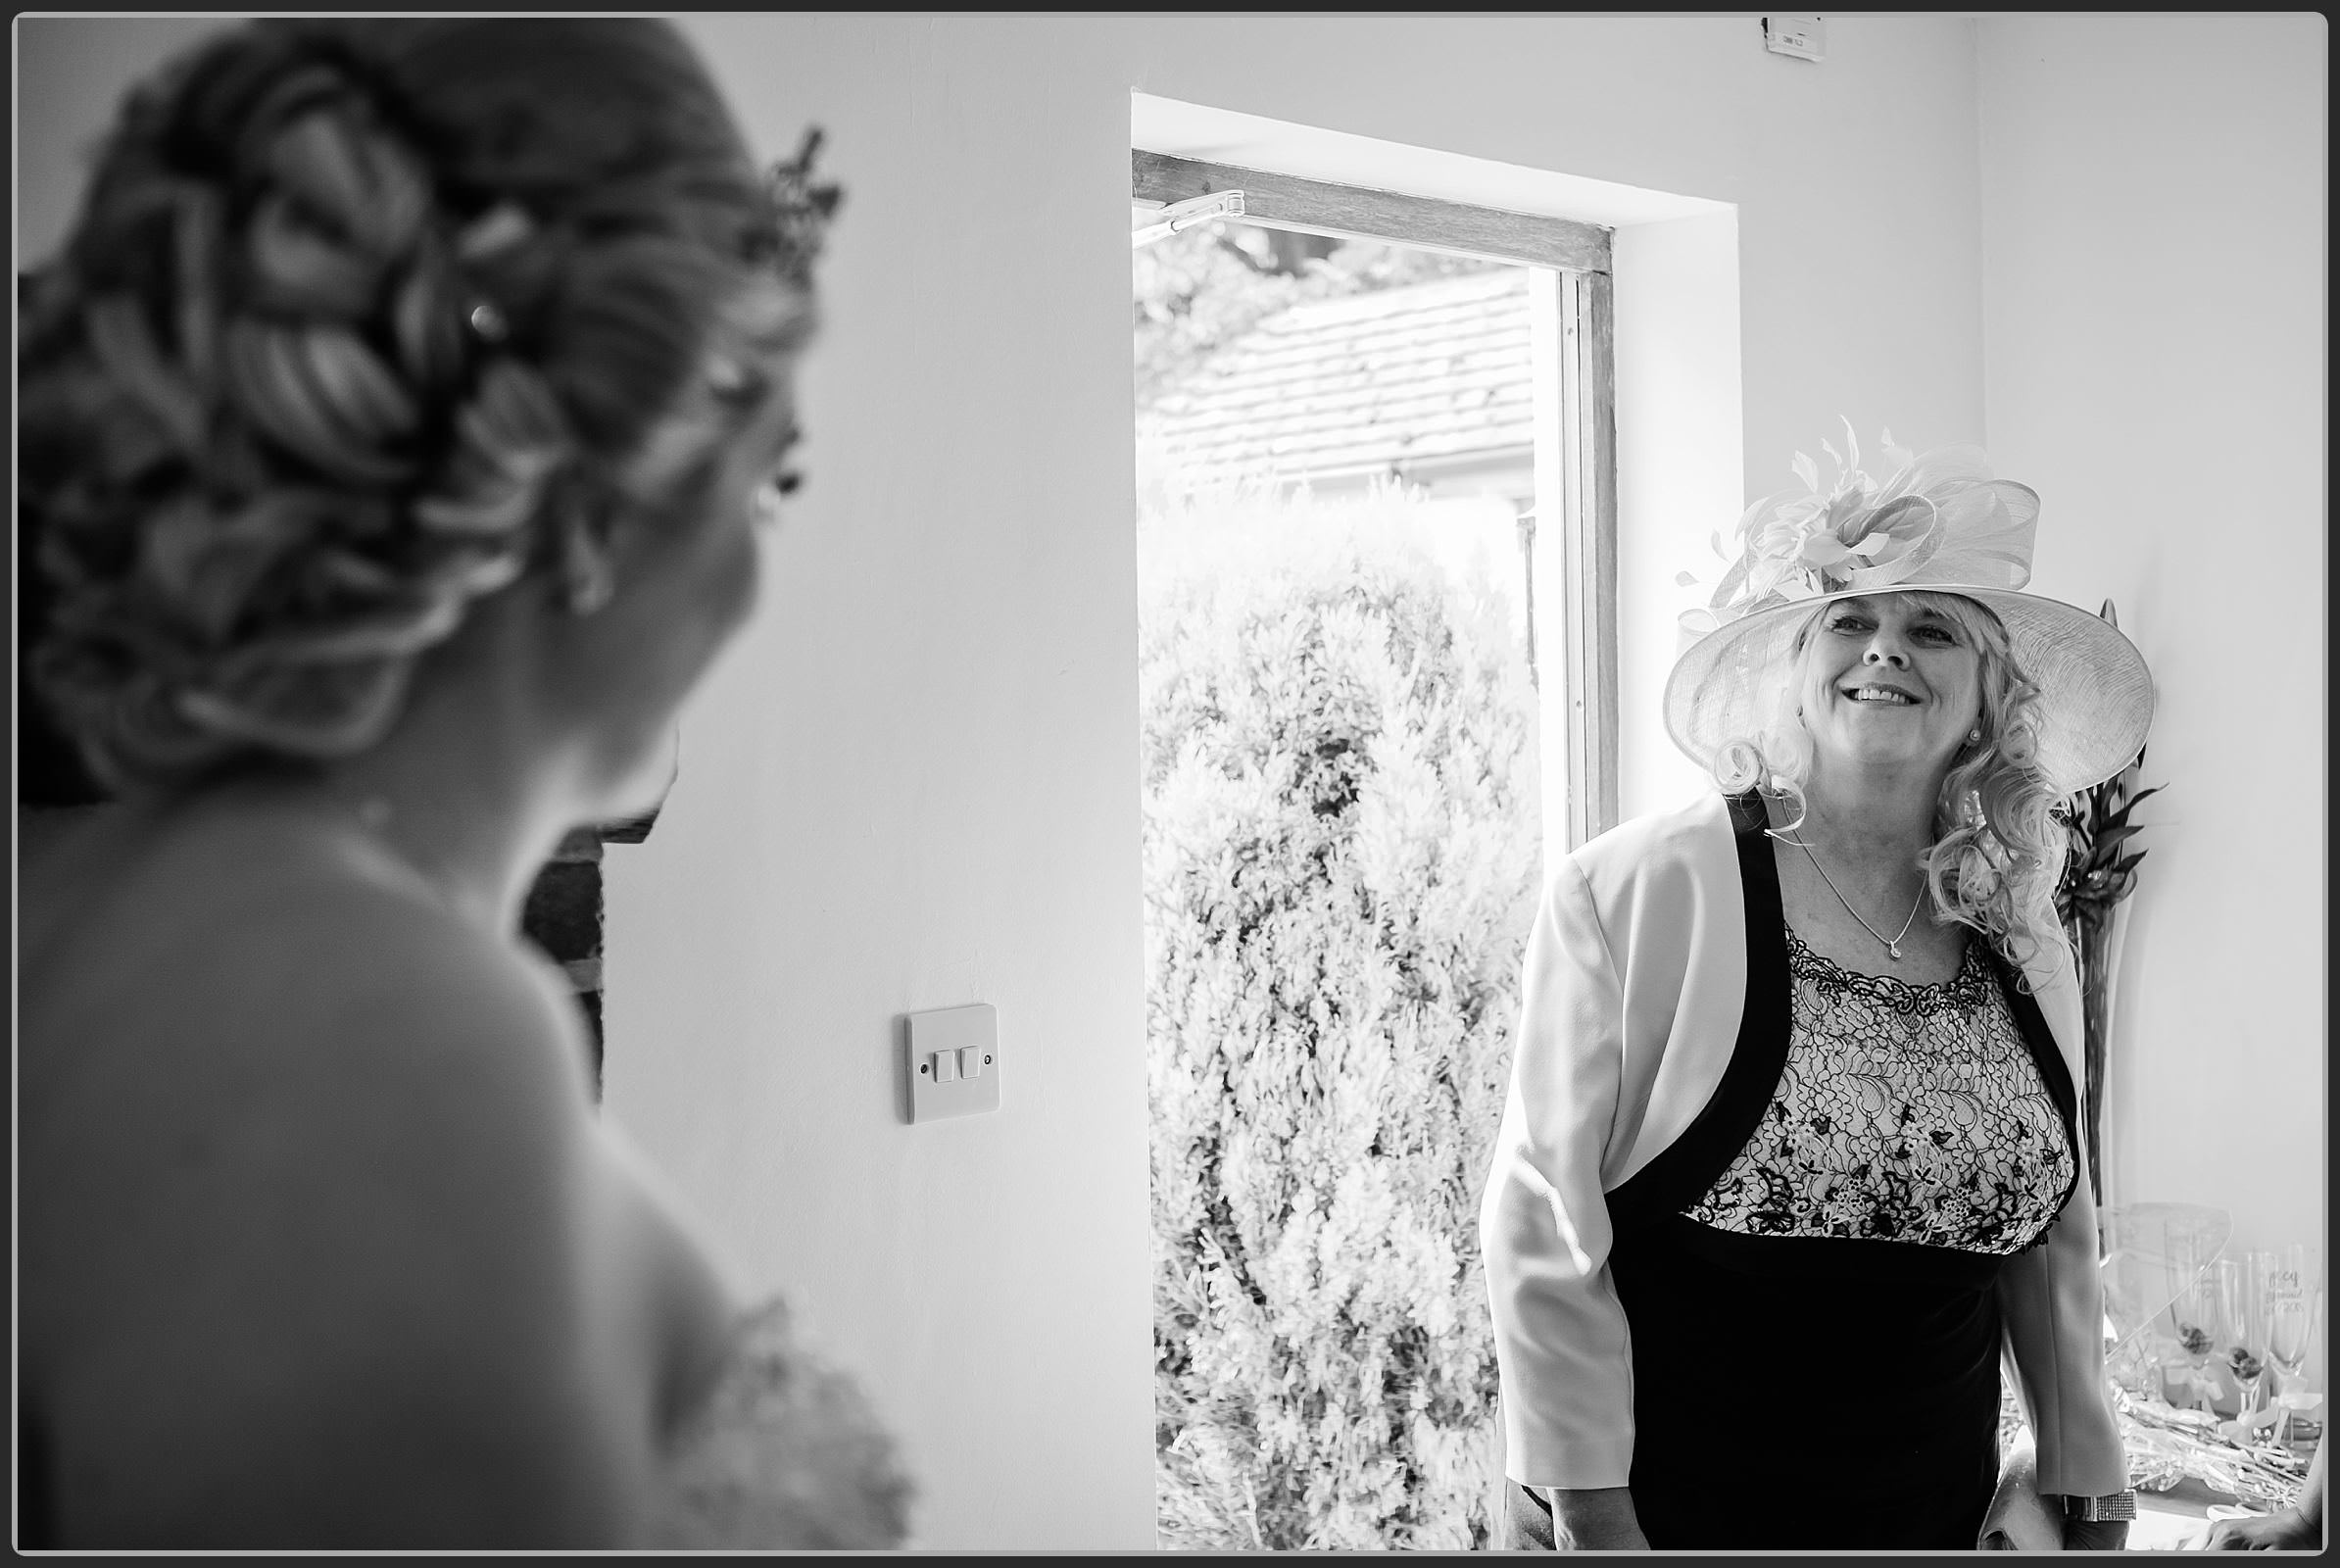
(587, 579)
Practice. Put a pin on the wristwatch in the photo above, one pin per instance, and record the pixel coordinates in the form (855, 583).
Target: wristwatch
(2112, 1505)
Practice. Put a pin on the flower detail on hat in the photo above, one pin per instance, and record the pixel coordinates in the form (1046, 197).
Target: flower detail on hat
(1942, 518)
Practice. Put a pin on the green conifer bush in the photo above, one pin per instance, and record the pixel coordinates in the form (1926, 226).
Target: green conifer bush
(1342, 858)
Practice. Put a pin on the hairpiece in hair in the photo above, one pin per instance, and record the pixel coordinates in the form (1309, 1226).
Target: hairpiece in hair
(798, 212)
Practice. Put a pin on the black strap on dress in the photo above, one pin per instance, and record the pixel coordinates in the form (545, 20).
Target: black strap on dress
(1679, 1175)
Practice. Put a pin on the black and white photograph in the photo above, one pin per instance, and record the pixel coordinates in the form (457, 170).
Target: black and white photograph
(1591, 816)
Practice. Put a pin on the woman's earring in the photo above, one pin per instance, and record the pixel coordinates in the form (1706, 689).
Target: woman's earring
(1975, 736)
(586, 578)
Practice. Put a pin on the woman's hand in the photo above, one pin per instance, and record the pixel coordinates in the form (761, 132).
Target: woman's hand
(2288, 1530)
(2298, 1528)
(2095, 1534)
(1595, 1519)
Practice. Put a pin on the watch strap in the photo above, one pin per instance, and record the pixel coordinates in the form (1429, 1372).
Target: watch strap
(2112, 1505)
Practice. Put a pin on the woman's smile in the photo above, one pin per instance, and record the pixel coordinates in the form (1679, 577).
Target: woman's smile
(1879, 693)
(1891, 681)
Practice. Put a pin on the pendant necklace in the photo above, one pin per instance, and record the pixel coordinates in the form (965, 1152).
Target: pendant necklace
(1892, 943)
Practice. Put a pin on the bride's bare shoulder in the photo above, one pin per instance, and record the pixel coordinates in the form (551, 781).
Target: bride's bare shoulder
(237, 949)
(344, 1136)
(279, 1004)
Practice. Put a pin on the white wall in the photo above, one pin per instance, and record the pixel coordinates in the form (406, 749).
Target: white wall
(2154, 244)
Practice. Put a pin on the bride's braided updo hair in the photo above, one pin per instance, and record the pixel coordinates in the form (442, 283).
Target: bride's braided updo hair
(360, 322)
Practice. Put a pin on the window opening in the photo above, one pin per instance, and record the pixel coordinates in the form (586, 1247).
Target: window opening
(1376, 673)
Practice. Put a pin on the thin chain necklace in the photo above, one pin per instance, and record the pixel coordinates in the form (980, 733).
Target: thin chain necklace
(1892, 943)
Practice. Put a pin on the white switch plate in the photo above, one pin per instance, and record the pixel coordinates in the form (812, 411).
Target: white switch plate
(1804, 37)
(958, 1031)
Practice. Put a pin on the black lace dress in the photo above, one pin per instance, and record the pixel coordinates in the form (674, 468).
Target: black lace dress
(1809, 1271)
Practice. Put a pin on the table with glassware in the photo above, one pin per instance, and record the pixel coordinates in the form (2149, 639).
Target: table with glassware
(2211, 1355)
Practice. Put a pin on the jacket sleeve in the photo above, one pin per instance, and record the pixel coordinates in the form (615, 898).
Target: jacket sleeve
(2050, 1299)
(2053, 1303)
(1561, 1343)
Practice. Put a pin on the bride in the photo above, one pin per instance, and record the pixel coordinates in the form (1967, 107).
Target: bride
(396, 425)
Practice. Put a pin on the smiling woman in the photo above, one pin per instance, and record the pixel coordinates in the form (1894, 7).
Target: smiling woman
(1851, 1095)
(1908, 687)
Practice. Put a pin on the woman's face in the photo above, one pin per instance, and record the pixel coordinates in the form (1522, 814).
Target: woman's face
(684, 585)
(1890, 682)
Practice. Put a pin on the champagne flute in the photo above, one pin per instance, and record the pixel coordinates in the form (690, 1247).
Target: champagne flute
(2237, 1328)
(2189, 1313)
(2289, 1296)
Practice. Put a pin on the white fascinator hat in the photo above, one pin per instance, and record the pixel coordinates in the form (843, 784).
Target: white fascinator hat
(1942, 524)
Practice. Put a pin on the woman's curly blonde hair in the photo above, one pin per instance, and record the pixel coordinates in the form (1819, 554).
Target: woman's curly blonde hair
(1997, 852)
(361, 321)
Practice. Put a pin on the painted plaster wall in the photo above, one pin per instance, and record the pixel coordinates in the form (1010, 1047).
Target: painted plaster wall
(2154, 253)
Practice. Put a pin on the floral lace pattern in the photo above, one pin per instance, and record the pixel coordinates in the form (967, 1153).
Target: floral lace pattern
(1905, 1112)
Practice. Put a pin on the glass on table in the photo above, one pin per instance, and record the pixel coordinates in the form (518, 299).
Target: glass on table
(2237, 1333)
(2135, 1364)
(2192, 1317)
(2290, 1298)
(2154, 1257)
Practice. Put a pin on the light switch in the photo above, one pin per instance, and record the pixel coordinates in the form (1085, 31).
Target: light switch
(953, 1060)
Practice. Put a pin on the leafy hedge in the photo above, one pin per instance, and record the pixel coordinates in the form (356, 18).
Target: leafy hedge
(1340, 863)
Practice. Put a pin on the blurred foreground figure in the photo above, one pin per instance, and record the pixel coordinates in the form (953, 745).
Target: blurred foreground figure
(394, 427)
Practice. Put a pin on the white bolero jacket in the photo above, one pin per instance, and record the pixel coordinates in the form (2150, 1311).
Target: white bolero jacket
(1635, 978)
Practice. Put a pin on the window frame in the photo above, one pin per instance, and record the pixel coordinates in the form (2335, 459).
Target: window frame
(1578, 253)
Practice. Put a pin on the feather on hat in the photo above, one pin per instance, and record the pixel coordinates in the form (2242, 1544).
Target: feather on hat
(1942, 524)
